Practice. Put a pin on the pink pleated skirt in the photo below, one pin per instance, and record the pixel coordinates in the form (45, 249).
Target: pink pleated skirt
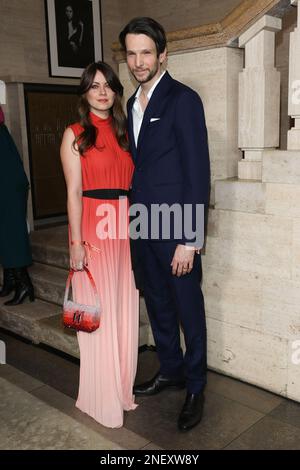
(108, 356)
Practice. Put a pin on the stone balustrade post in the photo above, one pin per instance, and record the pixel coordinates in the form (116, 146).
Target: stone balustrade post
(294, 84)
(259, 96)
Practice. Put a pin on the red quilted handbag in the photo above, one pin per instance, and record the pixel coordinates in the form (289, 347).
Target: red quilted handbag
(79, 316)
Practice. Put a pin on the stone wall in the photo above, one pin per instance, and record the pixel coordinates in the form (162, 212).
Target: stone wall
(23, 47)
(23, 43)
(252, 276)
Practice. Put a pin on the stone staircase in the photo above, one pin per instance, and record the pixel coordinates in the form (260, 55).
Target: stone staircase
(40, 321)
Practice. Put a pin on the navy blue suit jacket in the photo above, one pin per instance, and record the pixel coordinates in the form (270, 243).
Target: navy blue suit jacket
(171, 157)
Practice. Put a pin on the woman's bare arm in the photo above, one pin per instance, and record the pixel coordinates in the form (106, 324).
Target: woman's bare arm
(72, 170)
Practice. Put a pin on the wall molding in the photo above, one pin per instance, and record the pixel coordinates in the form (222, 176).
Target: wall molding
(220, 34)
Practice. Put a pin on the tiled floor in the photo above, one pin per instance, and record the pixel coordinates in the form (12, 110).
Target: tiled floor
(236, 416)
(29, 423)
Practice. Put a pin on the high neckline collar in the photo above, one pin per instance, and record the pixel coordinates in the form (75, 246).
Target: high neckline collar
(99, 120)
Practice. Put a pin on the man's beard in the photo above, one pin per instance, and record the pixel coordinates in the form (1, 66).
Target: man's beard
(149, 77)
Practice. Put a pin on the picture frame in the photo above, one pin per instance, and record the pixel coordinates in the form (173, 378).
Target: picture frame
(74, 36)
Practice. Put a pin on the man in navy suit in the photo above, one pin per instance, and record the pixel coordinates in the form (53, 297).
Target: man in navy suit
(168, 141)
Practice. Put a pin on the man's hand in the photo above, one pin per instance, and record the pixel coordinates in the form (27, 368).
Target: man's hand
(183, 259)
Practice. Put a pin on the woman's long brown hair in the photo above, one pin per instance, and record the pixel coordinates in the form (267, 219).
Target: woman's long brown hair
(87, 138)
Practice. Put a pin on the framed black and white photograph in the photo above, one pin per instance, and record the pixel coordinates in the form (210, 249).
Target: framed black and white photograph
(74, 35)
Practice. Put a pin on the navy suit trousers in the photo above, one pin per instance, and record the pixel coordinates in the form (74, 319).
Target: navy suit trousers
(173, 301)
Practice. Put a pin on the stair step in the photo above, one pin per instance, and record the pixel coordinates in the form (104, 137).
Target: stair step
(49, 282)
(50, 271)
(24, 319)
(41, 322)
(64, 339)
(50, 246)
(54, 334)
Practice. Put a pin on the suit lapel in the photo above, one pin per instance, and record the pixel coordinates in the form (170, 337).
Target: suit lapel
(146, 120)
(130, 128)
(153, 106)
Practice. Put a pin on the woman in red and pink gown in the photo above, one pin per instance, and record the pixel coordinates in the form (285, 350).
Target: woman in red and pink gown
(98, 171)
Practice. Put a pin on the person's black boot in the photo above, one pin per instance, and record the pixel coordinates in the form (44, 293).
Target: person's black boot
(24, 287)
(9, 283)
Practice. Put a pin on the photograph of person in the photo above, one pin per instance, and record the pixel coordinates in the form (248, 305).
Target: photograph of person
(75, 33)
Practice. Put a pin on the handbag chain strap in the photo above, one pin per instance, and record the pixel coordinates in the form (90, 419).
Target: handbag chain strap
(70, 276)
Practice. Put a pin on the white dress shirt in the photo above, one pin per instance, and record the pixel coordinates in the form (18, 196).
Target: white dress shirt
(137, 112)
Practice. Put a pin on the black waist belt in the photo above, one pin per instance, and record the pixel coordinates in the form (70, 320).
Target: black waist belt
(105, 193)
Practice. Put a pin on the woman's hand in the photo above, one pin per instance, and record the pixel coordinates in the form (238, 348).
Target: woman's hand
(78, 257)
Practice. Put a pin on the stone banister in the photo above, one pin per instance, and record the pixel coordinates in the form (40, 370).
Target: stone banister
(259, 96)
(294, 84)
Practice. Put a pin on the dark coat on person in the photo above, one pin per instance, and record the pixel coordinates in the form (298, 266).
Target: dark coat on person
(14, 241)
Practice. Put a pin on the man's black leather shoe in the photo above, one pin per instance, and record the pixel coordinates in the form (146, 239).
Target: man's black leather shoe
(191, 413)
(156, 385)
